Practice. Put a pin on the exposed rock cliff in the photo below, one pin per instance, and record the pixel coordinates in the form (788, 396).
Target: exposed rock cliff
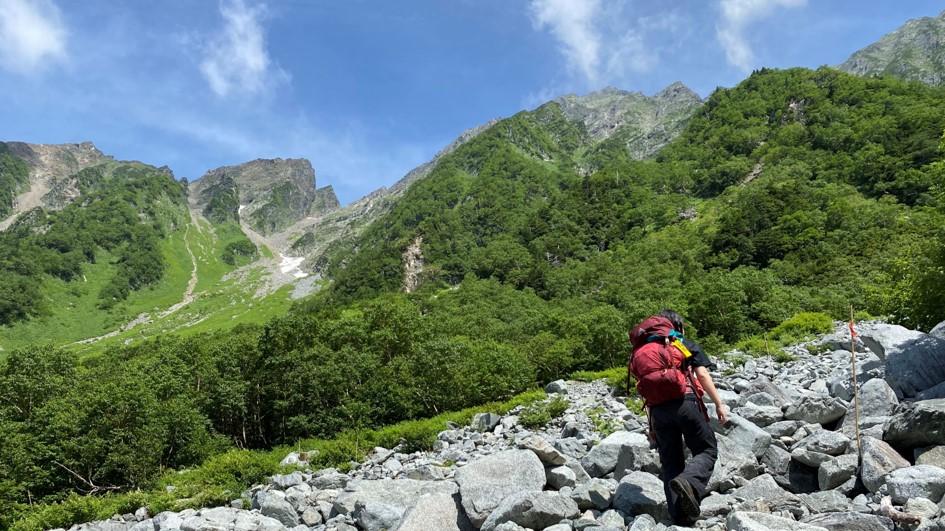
(48, 165)
(915, 51)
(643, 123)
(274, 193)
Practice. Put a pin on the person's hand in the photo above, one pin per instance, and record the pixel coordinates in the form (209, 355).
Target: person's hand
(722, 412)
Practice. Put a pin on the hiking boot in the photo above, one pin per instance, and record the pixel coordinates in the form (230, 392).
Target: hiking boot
(687, 504)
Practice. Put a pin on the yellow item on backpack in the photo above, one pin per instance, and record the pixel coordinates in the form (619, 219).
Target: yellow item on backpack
(682, 348)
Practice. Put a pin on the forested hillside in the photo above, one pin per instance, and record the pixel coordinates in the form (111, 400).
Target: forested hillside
(125, 212)
(100, 251)
(795, 191)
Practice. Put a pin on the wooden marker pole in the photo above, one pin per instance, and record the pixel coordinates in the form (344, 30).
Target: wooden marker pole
(856, 391)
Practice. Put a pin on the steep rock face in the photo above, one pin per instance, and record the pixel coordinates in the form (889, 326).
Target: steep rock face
(915, 51)
(334, 227)
(273, 193)
(643, 123)
(49, 167)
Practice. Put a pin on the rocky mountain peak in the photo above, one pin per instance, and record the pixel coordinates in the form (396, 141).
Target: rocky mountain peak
(915, 51)
(48, 165)
(56, 159)
(678, 91)
(645, 123)
(271, 194)
(258, 176)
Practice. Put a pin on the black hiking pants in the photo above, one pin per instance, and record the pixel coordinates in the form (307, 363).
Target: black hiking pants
(681, 420)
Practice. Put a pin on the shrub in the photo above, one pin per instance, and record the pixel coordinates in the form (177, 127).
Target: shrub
(793, 330)
(801, 326)
(540, 414)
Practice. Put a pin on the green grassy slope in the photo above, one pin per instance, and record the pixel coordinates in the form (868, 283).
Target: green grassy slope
(70, 308)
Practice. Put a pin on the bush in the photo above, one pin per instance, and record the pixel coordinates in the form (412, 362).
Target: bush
(239, 252)
(801, 326)
(794, 330)
(540, 414)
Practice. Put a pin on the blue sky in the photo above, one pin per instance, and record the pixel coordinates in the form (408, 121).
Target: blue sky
(369, 89)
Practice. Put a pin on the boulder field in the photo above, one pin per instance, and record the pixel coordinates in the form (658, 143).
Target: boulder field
(788, 459)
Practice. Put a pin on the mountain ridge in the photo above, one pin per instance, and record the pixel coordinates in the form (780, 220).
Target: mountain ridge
(914, 51)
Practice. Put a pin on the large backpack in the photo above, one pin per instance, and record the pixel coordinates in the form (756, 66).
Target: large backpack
(656, 363)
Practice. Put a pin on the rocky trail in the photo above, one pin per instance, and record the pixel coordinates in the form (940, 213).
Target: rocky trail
(788, 459)
(192, 283)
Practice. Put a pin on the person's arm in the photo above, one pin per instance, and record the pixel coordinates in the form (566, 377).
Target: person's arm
(706, 380)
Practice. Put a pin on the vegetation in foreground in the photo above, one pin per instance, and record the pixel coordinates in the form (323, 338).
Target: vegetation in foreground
(224, 477)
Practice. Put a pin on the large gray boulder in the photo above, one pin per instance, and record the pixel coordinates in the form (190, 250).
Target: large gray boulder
(635, 454)
(829, 501)
(329, 479)
(776, 461)
(558, 477)
(879, 459)
(278, 508)
(220, 516)
(485, 421)
(603, 458)
(836, 471)
(641, 493)
(735, 461)
(765, 488)
(716, 504)
(742, 431)
(754, 521)
(850, 521)
(486, 482)
(816, 410)
(920, 424)
(760, 415)
(825, 442)
(543, 449)
(571, 446)
(936, 391)
(933, 455)
(784, 428)
(533, 510)
(920, 481)
(284, 481)
(938, 330)
(594, 494)
(914, 361)
(809, 458)
(877, 398)
(777, 394)
(381, 504)
(436, 511)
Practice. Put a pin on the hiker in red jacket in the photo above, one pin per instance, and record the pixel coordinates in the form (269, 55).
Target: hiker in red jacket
(672, 374)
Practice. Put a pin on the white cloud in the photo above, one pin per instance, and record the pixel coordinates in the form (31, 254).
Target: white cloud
(573, 23)
(737, 16)
(236, 59)
(31, 35)
(603, 41)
